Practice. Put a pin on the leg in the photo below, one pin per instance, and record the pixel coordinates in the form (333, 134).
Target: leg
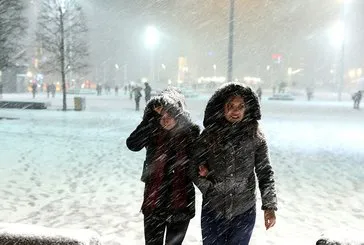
(137, 104)
(212, 227)
(176, 232)
(153, 230)
(242, 228)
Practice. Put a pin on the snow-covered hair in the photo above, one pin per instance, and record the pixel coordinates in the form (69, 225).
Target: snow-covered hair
(173, 101)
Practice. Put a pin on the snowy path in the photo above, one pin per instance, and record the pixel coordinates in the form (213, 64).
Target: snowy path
(73, 170)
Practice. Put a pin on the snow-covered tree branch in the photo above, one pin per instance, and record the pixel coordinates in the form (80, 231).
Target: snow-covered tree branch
(62, 32)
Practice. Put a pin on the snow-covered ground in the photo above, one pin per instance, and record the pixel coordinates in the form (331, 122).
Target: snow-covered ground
(72, 169)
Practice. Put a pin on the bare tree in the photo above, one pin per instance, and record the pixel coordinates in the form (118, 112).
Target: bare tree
(62, 33)
(12, 28)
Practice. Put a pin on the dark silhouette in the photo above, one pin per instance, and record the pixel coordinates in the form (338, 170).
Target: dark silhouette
(137, 95)
(357, 98)
(167, 133)
(309, 93)
(259, 93)
(34, 89)
(147, 91)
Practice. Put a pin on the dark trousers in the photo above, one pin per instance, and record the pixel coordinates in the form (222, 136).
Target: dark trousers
(155, 228)
(147, 98)
(356, 104)
(221, 231)
(137, 103)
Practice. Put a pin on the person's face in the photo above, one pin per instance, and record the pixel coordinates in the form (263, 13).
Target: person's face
(234, 109)
(167, 121)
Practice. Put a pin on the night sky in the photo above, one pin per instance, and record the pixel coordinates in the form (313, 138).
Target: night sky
(297, 29)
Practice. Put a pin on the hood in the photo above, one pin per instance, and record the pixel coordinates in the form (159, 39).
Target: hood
(173, 101)
(214, 113)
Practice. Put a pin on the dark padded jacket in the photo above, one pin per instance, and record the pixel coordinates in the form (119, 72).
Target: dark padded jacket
(235, 155)
(172, 196)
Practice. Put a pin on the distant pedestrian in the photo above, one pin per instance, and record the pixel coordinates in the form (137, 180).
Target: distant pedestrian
(357, 98)
(131, 91)
(259, 93)
(34, 89)
(53, 90)
(48, 87)
(282, 87)
(116, 90)
(1, 90)
(137, 96)
(98, 89)
(309, 93)
(147, 92)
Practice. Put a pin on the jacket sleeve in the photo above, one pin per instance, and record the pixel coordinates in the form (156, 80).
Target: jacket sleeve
(200, 153)
(140, 137)
(265, 176)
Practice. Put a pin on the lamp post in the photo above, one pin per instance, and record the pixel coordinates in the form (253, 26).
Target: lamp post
(1, 85)
(338, 39)
(231, 42)
(117, 68)
(339, 42)
(151, 41)
(163, 66)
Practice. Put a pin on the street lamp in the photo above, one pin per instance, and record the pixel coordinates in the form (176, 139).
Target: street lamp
(163, 66)
(117, 68)
(338, 38)
(359, 72)
(337, 34)
(151, 41)
(1, 85)
(231, 42)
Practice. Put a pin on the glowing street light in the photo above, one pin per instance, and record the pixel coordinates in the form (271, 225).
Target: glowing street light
(151, 37)
(214, 66)
(359, 72)
(337, 34)
(151, 41)
(352, 74)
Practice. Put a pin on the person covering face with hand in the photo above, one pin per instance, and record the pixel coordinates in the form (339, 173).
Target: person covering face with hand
(168, 135)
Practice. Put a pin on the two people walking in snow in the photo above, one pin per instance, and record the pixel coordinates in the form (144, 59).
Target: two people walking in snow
(223, 162)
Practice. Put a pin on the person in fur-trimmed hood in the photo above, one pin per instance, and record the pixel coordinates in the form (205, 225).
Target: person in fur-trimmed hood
(168, 135)
(230, 153)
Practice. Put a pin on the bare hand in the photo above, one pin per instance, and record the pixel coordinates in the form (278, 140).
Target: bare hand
(269, 218)
(203, 171)
(158, 109)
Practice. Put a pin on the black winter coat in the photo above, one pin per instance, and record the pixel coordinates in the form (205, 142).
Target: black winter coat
(235, 154)
(169, 192)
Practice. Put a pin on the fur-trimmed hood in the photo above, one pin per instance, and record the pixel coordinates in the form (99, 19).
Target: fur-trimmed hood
(214, 113)
(173, 101)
